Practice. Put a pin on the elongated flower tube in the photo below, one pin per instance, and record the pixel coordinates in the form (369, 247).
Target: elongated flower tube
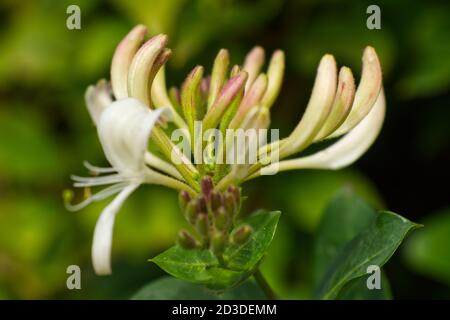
(124, 129)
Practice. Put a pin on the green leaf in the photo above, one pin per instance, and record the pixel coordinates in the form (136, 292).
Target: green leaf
(168, 288)
(374, 246)
(356, 289)
(201, 266)
(427, 251)
(248, 254)
(344, 218)
(352, 215)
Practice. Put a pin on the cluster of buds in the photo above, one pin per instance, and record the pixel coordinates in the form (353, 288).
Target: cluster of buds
(212, 214)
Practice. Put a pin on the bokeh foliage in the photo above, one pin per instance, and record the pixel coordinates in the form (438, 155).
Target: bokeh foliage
(46, 133)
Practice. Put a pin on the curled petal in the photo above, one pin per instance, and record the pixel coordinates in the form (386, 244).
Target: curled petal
(98, 98)
(318, 108)
(124, 129)
(346, 150)
(122, 59)
(102, 242)
(368, 89)
(140, 75)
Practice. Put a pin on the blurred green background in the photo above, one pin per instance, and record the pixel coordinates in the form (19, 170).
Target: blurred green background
(46, 133)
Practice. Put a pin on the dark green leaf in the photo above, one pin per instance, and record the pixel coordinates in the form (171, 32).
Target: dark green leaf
(374, 246)
(357, 289)
(344, 218)
(168, 288)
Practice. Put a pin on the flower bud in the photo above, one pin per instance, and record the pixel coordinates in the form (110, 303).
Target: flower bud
(202, 224)
(242, 234)
(218, 75)
(230, 203)
(190, 211)
(218, 243)
(206, 185)
(235, 70)
(183, 199)
(186, 240)
(275, 76)
(202, 204)
(190, 96)
(253, 63)
(235, 192)
(215, 201)
(317, 110)
(220, 219)
(367, 93)
(140, 75)
(251, 98)
(121, 61)
(341, 105)
(226, 97)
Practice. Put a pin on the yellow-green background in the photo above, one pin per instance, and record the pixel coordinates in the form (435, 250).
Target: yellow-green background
(46, 133)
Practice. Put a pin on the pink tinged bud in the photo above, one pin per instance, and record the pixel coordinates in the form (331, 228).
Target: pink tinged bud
(275, 76)
(241, 235)
(183, 198)
(251, 98)
(207, 185)
(216, 201)
(226, 97)
(141, 73)
(202, 204)
(186, 240)
(341, 105)
(367, 93)
(122, 58)
(235, 192)
(253, 63)
(190, 96)
(317, 110)
(218, 75)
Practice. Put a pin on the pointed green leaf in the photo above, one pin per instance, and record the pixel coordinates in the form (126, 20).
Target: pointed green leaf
(374, 246)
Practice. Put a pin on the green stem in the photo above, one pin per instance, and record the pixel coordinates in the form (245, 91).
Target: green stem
(264, 285)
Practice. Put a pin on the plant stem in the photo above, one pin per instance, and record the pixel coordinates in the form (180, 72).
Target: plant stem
(264, 285)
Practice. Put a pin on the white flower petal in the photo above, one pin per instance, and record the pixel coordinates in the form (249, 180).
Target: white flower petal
(102, 242)
(124, 129)
(98, 98)
(346, 150)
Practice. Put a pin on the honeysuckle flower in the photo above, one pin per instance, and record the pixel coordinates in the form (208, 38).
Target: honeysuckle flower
(124, 129)
(131, 111)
